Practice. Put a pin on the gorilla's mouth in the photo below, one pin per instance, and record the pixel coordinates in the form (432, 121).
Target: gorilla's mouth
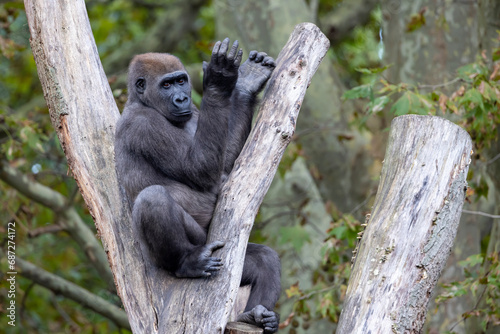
(182, 113)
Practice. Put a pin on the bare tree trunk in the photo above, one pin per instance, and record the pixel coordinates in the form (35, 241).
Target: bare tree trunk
(431, 55)
(84, 114)
(412, 227)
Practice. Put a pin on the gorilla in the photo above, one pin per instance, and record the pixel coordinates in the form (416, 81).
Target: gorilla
(172, 160)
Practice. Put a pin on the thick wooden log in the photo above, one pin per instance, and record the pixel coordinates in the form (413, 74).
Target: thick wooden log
(84, 115)
(412, 227)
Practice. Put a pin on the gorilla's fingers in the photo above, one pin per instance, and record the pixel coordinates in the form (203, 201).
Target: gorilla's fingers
(239, 56)
(268, 314)
(252, 54)
(232, 51)
(215, 52)
(269, 320)
(223, 48)
(215, 264)
(215, 246)
(269, 61)
(260, 57)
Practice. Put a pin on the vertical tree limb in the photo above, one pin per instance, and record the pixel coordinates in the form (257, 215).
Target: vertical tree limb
(84, 114)
(412, 227)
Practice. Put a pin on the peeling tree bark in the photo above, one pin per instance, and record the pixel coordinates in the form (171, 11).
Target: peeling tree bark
(412, 227)
(84, 115)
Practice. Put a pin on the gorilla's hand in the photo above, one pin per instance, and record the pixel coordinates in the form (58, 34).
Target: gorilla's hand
(255, 72)
(222, 71)
(199, 263)
(262, 317)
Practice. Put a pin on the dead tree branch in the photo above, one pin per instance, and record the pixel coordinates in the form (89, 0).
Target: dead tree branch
(412, 227)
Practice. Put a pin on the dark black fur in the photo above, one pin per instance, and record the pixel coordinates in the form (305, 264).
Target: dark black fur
(172, 159)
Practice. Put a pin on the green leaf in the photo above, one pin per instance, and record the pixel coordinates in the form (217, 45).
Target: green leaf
(363, 70)
(496, 54)
(420, 104)
(414, 103)
(359, 92)
(472, 96)
(401, 106)
(378, 104)
(416, 21)
(388, 88)
(297, 236)
(339, 232)
(487, 91)
(471, 71)
(293, 291)
(472, 260)
(482, 189)
(374, 70)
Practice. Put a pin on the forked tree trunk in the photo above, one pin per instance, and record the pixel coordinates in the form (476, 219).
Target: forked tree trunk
(412, 227)
(84, 114)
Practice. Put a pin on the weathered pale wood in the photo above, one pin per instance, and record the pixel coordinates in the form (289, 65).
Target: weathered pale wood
(84, 114)
(412, 227)
(242, 328)
(240, 302)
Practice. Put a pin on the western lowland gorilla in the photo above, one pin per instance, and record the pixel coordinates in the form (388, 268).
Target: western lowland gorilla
(173, 158)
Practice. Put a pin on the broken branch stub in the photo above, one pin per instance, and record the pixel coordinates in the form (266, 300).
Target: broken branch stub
(411, 229)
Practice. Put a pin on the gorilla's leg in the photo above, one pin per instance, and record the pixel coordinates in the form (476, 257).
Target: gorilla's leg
(262, 270)
(175, 240)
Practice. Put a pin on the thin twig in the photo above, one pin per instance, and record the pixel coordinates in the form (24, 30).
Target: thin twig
(25, 298)
(473, 309)
(432, 87)
(494, 159)
(72, 325)
(479, 213)
(312, 293)
(46, 229)
(360, 205)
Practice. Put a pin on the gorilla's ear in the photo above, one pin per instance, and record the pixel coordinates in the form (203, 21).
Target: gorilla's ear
(205, 64)
(140, 85)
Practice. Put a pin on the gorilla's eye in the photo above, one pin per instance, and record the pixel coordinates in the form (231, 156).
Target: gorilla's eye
(180, 81)
(140, 83)
(166, 84)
